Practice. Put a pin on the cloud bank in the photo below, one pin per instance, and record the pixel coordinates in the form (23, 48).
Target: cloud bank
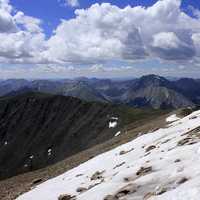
(101, 33)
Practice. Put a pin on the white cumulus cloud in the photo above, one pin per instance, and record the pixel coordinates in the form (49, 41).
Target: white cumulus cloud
(102, 32)
(22, 39)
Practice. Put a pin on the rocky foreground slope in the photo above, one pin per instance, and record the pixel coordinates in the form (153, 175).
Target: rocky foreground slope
(161, 165)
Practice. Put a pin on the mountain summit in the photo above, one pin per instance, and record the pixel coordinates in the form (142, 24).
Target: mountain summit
(157, 92)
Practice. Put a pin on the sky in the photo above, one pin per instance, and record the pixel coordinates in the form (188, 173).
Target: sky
(113, 38)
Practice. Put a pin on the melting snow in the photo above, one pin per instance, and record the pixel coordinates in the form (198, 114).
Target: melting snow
(115, 118)
(118, 133)
(112, 124)
(49, 152)
(162, 165)
(172, 118)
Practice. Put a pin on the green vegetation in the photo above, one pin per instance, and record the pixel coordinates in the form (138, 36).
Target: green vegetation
(131, 115)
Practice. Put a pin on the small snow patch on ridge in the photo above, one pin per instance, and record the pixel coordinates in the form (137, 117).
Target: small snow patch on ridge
(172, 118)
(114, 118)
(118, 133)
(112, 124)
(49, 152)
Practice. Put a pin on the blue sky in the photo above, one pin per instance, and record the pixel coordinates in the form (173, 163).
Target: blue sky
(46, 39)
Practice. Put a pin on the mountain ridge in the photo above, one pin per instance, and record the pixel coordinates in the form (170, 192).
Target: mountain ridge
(44, 128)
(148, 91)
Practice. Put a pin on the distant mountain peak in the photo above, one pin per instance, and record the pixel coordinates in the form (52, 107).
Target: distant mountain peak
(153, 77)
(154, 80)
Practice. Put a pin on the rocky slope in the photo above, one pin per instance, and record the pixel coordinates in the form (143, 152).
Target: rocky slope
(39, 129)
(189, 88)
(160, 165)
(156, 92)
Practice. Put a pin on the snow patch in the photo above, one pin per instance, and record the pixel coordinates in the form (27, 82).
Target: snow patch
(118, 133)
(49, 152)
(112, 124)
(172, 118)
(114, 118)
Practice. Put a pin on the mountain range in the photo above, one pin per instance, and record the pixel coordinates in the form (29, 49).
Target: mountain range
(148, 91)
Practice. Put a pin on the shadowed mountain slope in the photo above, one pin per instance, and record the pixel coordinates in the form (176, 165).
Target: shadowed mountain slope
(39, 129)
